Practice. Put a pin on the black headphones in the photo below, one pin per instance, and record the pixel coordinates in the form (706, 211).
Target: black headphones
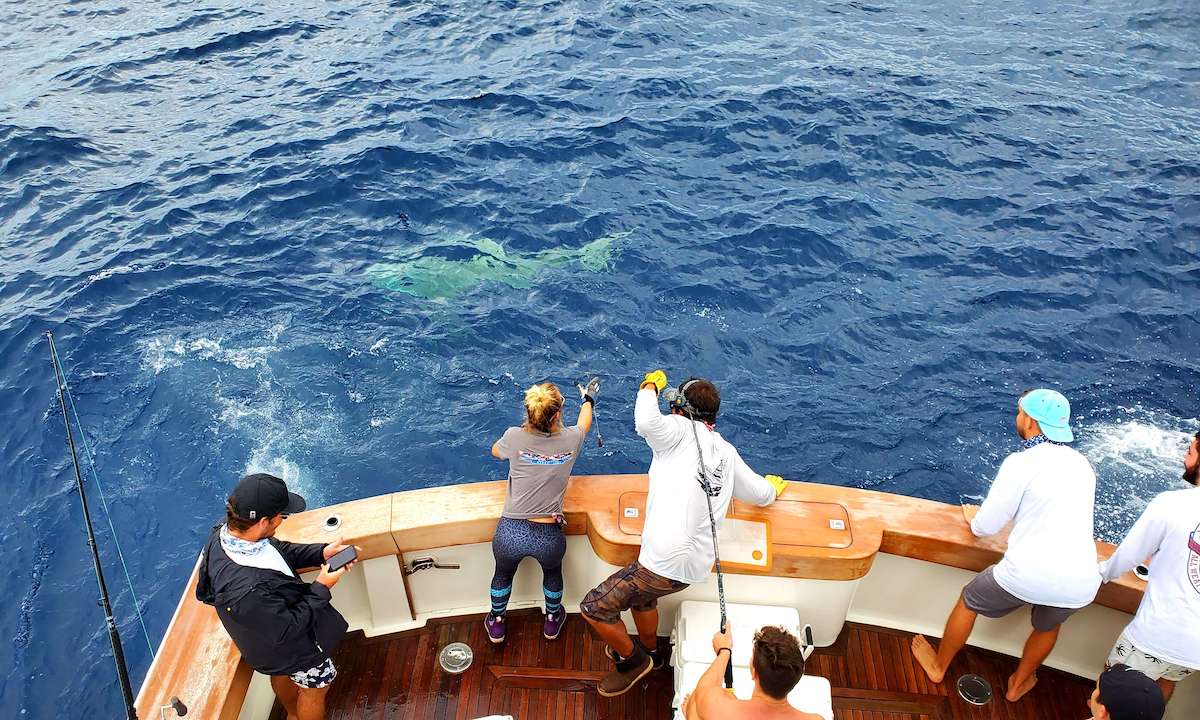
(677, 398)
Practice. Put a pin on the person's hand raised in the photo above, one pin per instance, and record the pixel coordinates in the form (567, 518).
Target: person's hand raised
(657, 378)
(591, 390)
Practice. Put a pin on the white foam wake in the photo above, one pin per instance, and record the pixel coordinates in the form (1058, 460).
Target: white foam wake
(1136, 456)
(231, 372)
(161, 353)
(1137, 447)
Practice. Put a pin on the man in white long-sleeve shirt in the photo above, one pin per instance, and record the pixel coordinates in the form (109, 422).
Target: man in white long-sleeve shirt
(1048, 491)
(677, 539)
(1163, 641)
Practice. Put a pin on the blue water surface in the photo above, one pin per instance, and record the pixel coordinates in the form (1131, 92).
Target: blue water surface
(335, 240)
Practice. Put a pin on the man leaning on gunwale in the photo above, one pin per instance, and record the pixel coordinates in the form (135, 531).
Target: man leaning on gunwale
(284, 627)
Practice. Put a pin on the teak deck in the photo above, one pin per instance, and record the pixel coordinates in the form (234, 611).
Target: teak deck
(872, 672)
(198, 662)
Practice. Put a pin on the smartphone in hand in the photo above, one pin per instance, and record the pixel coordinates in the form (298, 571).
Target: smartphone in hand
(342, 558)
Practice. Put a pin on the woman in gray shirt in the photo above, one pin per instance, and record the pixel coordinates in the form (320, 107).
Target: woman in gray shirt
(540, 455)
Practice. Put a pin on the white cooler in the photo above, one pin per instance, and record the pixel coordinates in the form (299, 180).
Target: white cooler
(692, 636)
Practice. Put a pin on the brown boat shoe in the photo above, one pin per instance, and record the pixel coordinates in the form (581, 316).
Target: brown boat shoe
(655, 655)
(627, 674)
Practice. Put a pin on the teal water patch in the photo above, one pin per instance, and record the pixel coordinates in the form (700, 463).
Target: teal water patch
(439, 271)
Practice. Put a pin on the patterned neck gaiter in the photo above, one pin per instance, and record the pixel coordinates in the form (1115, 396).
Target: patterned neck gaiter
(1037, 440)
(238, 546)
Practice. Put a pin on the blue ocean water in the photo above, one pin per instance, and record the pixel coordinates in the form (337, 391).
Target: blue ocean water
(335, 240)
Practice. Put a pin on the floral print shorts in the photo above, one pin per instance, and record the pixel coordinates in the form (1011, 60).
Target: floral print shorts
(317, 677)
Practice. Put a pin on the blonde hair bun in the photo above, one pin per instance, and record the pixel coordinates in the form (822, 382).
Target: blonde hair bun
(542, 403)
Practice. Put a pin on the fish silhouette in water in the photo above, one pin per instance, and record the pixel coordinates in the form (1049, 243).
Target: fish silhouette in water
(451, 267)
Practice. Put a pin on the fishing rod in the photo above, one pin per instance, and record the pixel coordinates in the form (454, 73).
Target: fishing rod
(114, 636)
(705, 486)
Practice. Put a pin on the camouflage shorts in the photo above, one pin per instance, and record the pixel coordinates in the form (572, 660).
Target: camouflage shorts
(633, 587)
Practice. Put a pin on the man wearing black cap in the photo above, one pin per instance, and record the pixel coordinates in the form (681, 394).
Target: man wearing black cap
(284, 627)
(1123, 693)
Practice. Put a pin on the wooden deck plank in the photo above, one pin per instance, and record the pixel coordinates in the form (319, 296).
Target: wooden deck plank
(397, 677)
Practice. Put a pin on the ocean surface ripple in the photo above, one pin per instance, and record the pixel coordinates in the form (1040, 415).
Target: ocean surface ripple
(335, 240)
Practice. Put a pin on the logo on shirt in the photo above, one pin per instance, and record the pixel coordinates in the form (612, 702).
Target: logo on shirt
(1193, 563)
(715, 480)
(538, 459)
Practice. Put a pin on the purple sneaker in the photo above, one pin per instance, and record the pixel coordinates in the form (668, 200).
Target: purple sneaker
(495, 628)
(554, 623)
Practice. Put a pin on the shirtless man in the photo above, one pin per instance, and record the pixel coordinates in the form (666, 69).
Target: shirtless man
(776, 666)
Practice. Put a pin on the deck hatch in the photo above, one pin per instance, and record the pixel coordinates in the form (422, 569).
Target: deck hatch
(456, 657)
(974, 689)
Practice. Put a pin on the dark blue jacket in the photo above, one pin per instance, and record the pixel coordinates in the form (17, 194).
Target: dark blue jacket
(281, 624)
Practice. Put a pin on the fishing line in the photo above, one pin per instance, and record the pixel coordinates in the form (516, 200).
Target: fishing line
(705, 485)
(62, 380)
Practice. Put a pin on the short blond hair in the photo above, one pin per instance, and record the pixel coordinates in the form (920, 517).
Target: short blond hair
(542, 403)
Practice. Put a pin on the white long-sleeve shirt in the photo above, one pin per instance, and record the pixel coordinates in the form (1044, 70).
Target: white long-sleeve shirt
(1167, 623)
(1049, 493)
(676, 537)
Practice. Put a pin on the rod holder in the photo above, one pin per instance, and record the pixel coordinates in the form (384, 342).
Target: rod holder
(428, 563)
(177, 705)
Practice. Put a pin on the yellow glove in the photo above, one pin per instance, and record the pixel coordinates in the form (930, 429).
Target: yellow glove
(776, 482)
(658, 378)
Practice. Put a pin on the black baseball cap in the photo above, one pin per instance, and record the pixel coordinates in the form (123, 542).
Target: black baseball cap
(261, 495)
(1129, 695)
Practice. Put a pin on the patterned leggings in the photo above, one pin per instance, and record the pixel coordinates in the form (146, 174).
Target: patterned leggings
(519, 539)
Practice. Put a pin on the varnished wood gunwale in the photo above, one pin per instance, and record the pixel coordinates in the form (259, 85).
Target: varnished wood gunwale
(197, 659)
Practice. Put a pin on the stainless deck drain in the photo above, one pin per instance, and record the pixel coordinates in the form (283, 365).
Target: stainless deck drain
(974, 689)
(456, 657)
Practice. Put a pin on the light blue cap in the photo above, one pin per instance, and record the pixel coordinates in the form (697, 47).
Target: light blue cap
(1052, 412)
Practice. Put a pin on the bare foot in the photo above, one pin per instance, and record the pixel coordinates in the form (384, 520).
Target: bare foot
(926, 655)
(1016, 693)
